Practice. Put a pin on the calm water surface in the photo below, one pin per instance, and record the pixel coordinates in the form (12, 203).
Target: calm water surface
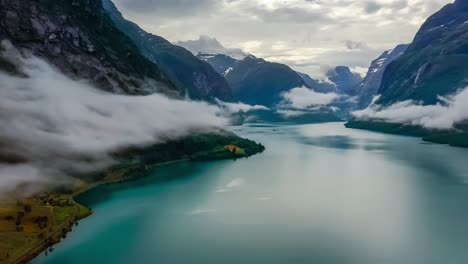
(319, 194)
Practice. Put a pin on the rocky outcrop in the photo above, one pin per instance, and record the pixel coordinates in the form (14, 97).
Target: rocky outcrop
(80, 39)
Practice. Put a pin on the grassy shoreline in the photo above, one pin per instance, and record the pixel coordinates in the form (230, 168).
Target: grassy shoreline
(32, 235)
(457, 137)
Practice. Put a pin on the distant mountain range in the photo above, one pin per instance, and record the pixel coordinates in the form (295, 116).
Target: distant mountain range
(257, 81)
(344, 80)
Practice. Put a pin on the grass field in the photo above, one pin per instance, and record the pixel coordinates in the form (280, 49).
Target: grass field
(29, 226)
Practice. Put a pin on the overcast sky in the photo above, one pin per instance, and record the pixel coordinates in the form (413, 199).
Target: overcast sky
(308, 35)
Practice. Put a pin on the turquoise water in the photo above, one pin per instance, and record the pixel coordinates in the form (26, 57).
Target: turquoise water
(319, 194)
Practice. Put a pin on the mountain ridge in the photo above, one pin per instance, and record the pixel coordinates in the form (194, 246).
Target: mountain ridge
(195, 76)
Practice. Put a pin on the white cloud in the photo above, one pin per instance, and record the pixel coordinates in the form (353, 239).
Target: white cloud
(292, 113)
(54, 127)
(303, 98)
(235, 108)
(446, 114)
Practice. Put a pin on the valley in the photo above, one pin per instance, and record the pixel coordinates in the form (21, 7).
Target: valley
(288, 140)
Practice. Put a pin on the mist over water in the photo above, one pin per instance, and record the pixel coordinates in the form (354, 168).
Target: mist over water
(319, 194)
(448, 112)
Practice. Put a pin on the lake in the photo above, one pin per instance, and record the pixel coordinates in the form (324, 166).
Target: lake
(319, 194)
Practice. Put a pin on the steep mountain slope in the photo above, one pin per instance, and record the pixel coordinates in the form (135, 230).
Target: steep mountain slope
(256, 81)
(371, 83)
(436, 63)
(345, 80)
(223, 64)
(79, 38)
(187, 71)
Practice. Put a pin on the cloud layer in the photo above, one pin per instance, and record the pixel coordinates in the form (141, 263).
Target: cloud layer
(54, 127)
(446, 114)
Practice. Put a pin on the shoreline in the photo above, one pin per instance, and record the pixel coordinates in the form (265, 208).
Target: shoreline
(43, 246)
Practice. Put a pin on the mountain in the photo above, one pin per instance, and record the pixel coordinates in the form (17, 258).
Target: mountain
(256, 81)
(371, 83)
(345, 80)
(188, 72)
(223, 64)
(436, 62)
(317, 86)
(80, 39)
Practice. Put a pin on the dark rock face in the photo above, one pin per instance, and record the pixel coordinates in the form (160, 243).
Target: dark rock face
(223, 64)
(194, 76)
(79, 38)
(345, 80)
(435, 64)
(256, 81)
(371, 83)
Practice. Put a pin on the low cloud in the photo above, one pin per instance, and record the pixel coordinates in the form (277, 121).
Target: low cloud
(235, 108)
(54, 127)
(303, 98)
(303, 101)
(451, 110)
